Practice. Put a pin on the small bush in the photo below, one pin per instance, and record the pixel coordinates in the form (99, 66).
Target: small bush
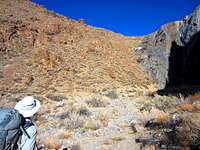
(96, 102)
(84, 111)
(189, 107)
(111, 94)
(74, 117)
(51, 143)
(133, 128)
(46, 58)
(81, 21)
(65, 134)
(91, 124)
(118, 138)
(74, 121)
(56, 98)
(194, 98)
(163, 118)
(103, 118)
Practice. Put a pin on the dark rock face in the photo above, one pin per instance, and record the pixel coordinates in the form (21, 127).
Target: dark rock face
(172, 54)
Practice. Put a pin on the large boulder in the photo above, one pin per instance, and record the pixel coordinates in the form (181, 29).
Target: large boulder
(168, 53)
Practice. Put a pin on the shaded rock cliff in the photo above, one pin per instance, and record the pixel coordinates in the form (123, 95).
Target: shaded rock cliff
(171, 54)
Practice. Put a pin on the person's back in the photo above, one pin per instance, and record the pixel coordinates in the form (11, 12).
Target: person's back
(28, 141)
(28, 107)
(11, 123)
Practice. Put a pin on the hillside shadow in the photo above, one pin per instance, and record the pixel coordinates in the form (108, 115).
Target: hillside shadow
(184, 68)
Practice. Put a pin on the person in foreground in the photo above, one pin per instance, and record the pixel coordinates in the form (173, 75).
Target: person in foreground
(28, 107)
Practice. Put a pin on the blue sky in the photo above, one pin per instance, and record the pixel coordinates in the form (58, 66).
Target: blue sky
(129, 17)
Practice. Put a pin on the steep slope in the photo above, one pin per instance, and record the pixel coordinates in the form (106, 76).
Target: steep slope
(89, 80)
(43, 52)
(78, 72)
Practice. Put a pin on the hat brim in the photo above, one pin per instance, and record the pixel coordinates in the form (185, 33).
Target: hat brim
(28, 113)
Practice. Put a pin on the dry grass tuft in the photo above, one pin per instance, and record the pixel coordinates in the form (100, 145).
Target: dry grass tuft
(103, 118)
(48, 59)
(27, 80)
(118, 138)
(56, 98)
(66, 134)
(111, 94)
(163, 118)
(97, 102)
(51, 144)
(91, 125)
(74, 117)
(189, 107)
(194, 98)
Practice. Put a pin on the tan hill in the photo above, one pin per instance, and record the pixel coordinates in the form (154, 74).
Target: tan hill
(43, 52)
(79, 73)
(94, 93)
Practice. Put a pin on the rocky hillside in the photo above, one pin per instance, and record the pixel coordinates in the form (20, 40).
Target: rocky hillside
(78, 72)
(94, 85)
(171, 54)
(43, 52)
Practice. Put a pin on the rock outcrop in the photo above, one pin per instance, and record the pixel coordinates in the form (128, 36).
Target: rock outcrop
(171, 54)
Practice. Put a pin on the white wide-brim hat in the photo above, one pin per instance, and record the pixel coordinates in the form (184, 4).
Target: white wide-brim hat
(28, 106)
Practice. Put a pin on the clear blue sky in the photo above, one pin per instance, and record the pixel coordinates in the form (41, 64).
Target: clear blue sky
(129, 17)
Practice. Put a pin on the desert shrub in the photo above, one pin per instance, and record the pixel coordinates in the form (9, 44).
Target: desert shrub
(189, 107)
(91, 124)
(132, 126)
(194, 98)
(81, 21)
(118, 138)
(48, 59)
(180, 132)
(96, 102)
(111, 94)
(103, 118)
(27, 80)
(83, 111)
(56, 98)
(163, 118)
(163, 102)
(65, 134)
(51, 143)
(74, 121)
(74, 117)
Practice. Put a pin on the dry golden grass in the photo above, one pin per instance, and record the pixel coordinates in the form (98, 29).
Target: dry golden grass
(163, 118)
(108, 142)
(27, 81)
(46, 58)
(104, 117)
(91, 125)
(69, 54)
(118, 138)
(66, 56)
(97, 102)
(193, 98)
(66, 134)
(189, 107)
(51, 143)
